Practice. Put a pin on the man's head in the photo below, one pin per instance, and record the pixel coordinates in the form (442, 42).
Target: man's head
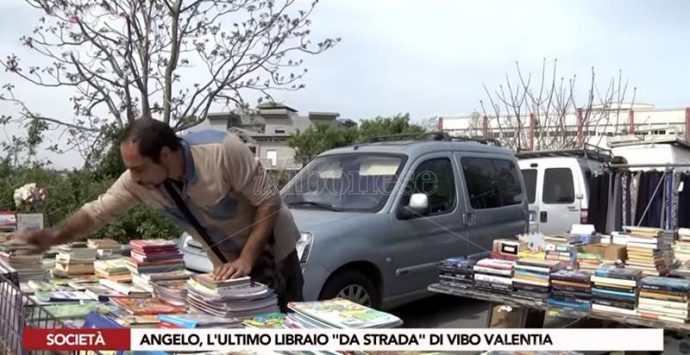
(149, 150)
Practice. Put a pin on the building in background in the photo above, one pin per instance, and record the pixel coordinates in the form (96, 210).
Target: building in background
(594, 126)
(267, 128)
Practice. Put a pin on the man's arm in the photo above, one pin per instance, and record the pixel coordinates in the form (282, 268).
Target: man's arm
(248, 177)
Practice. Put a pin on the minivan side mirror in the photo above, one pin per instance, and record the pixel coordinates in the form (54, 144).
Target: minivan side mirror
(418, 206)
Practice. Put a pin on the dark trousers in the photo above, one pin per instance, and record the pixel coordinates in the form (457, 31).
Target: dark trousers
(285, 277)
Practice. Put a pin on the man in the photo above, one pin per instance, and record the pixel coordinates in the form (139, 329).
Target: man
(211, 185)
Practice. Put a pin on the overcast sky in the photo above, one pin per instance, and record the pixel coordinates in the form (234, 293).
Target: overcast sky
(431, 57)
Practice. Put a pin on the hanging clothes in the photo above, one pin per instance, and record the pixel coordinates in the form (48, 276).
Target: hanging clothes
(684, 202)
(598, 200)
(634, 191)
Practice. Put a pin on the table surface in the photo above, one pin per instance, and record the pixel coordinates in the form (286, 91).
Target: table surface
(558, 312)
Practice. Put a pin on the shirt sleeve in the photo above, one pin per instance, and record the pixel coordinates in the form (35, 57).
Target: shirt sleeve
(246, 174)
(110, 205)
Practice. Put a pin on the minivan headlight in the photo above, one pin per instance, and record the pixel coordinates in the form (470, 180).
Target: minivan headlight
(303, 246)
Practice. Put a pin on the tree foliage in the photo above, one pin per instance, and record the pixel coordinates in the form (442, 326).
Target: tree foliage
(169, 59)
(322, 137)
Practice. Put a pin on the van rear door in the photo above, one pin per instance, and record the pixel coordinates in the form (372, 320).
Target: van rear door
(559, 208)
(530, 174)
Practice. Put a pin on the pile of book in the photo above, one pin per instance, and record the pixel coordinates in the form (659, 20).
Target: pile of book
(664, 299)
(173, 292)
(570, 289)
(153, 256)
(146, 306)
(457, 272)
(74, 259)
(566, 254)
(531, 277)
(25, 266)
(338, 313)
(649, 249)
(681, 248)
(494, 275)
(232, 298)
(105, 248)
(615, 289)
(588, 261)
(197, 320)
(113, 269)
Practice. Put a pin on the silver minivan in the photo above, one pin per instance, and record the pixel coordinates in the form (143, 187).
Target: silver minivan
(377, 218)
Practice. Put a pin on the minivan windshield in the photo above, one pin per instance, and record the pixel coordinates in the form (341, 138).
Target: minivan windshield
(345, 182)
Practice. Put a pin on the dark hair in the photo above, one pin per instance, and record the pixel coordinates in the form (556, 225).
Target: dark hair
(151, 136)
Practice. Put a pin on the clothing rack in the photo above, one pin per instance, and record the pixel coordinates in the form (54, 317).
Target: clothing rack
(663, 197)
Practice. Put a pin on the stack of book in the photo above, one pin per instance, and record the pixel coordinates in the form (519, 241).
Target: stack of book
(74, 259)
(148, 281)
(113, 269)
(126, 289)
(588, 262)
(615, 290)
(338, 313)
(570, 289)
(173, 292)
(664, 299)
(146, 306)
(457, 272)
(105, 248)
(494, 275)
(27, 267)
(197, 320)
(233, 298)
(681, 248)
(153, 256)
(648, 250)
(531, 277)
(566, 254)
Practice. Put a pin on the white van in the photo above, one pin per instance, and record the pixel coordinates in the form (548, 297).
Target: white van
(557, 185)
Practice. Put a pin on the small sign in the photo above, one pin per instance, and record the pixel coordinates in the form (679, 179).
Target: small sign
(26, 221)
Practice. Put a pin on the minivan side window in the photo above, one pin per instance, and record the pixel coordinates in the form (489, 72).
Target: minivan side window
(491, 183)
(433, 177)
(558, 186)
(530, 176)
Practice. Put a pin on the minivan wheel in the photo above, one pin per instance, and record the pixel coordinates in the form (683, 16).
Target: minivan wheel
(351, 285)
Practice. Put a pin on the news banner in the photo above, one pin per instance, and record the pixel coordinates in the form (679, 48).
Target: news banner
(345, 340)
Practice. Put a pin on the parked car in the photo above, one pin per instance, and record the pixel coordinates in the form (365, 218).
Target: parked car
(557, 185)
(377, 218)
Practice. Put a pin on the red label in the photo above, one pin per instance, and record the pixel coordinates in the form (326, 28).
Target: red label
(76, 339)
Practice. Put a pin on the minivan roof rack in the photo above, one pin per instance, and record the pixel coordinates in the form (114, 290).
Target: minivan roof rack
(434, 136)
(589, 152)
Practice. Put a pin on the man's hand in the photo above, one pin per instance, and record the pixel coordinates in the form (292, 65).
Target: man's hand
(238, 268)
(38, 240)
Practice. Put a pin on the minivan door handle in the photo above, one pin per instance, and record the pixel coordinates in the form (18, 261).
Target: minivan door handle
(543, 218)
(469, 218)
(572, 208)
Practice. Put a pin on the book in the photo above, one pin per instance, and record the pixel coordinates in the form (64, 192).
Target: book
(125, 289)
(200, 320)
(343, 314)
(146, 306)
(274, 320)
(63, 311)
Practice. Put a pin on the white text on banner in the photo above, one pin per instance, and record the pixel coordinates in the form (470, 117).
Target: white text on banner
(397, 339)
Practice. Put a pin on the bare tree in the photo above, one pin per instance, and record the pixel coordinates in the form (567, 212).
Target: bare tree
(168, 59)
(547, 116)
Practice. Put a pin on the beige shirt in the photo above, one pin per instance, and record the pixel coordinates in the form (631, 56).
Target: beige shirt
(224, 183)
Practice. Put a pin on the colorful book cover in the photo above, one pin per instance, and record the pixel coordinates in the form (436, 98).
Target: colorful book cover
(146, 306)
(342, 313)
(274, 320)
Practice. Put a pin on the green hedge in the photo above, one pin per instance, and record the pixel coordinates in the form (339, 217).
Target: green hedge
(70, 190)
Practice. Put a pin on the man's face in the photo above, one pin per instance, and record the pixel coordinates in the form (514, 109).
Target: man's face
(144, 170)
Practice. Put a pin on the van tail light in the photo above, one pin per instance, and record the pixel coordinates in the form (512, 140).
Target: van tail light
(584, 216)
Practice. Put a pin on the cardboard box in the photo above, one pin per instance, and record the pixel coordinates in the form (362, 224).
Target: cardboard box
(615, 252)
